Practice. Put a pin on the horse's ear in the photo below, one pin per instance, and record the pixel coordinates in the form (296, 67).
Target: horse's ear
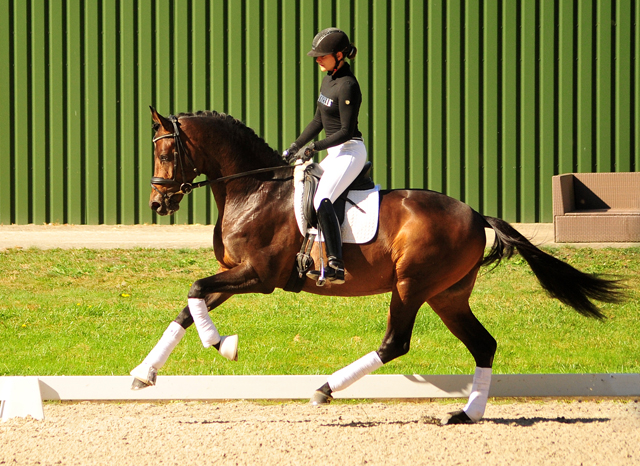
(166, 124)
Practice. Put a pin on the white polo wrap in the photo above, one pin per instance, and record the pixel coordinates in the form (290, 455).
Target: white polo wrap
(479, 394)
(160, 353)
(355, 371)
(206, 329)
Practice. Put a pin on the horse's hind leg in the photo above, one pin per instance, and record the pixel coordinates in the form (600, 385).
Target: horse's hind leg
(145, 374)
(402, 315)
(452, 306)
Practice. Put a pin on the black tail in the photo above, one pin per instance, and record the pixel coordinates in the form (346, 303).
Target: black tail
(560, 280)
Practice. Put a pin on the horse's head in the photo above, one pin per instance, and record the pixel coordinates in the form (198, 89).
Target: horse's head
(174, 169)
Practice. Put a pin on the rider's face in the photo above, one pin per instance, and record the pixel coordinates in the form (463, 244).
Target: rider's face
(327, 62)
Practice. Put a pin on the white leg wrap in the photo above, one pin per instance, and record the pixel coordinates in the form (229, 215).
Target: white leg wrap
(479, 393)
(207, 331)
(148, 369)
(355, 371)
(160, 353)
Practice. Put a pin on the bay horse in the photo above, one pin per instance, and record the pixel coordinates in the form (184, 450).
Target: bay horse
(428, 249)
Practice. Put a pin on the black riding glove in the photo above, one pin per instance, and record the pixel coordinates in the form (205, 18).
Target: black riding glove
(289, 155)
(309, 151)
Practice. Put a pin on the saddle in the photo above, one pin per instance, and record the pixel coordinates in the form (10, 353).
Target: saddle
(312, 175)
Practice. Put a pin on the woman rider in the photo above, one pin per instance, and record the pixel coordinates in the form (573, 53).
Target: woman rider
(337, 112)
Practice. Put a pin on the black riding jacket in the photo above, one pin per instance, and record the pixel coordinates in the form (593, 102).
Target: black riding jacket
(336, 111)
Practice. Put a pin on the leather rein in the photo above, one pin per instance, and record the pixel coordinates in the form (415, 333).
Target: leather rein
(181, 154)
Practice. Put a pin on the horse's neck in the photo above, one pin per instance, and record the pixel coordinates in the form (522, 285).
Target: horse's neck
(238, 197)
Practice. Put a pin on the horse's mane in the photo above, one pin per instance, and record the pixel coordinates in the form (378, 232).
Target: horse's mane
(237, 130)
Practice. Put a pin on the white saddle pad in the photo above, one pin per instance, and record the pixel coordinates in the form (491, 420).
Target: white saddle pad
(359, 226)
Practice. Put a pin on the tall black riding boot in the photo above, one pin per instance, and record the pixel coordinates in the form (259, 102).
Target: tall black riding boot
(328, 221)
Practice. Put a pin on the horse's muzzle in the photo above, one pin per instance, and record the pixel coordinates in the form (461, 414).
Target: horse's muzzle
(167, 206)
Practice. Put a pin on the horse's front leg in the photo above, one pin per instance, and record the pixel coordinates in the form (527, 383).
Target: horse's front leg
(205, 294)
(145, 374)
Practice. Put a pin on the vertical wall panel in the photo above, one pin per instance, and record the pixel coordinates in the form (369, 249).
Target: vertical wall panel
(362, 66)
(92, 129)
(309, 75)
(472, 104)
(546, 95)
(584, 89)
(182, 48)
(56, 118)
(75, 113)
(7, 149)
(290, 54)
(39, 133)
(453, 94)
(622, 113)
(111, 143)
(528, 160)
(604, 86)
(510, 123)
(491, 110)
(399, 81)
(199, 91)
(566, 89)
(415, 95)
(484, 101)
(635, 134)
(379, 147)
(435, 149)
(21, 95)
(145, 98)
(272, 75)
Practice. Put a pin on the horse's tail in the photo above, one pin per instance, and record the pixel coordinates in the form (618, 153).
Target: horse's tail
(560, 280)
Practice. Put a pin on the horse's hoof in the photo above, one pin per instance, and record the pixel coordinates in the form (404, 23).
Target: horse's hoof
(320, 398)
(229, 347)
(456, 417)
(139, 384)
(144, 376)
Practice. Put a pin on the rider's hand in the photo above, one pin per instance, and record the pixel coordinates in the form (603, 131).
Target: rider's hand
(289, 155)
(309, 151)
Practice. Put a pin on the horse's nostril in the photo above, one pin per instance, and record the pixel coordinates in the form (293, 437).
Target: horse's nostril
(155, 205)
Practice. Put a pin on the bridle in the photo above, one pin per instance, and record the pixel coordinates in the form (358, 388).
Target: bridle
(179, 155)
(182, 154)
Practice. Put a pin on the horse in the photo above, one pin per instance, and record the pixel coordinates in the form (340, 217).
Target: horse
(428, 249)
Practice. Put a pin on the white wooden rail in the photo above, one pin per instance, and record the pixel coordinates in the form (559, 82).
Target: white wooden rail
(23, 396)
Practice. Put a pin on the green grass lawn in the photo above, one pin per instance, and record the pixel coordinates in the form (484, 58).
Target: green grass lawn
(99, 312)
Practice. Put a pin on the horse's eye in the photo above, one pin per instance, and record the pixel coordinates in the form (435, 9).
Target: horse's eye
(164, 158)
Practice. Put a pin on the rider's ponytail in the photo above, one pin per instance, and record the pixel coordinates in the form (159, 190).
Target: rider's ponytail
(351, 52)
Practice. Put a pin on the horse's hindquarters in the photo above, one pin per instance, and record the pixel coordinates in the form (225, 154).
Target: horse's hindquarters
(423, 237)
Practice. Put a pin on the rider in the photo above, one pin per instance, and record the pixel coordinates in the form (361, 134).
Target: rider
(337, 112)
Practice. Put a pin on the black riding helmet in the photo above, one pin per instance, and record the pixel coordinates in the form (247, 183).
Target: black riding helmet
(329, 41)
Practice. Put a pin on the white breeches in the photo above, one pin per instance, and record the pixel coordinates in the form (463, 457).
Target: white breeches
(341, 166)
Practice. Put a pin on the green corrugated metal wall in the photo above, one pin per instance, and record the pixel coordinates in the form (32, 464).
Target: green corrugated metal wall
(484, 101)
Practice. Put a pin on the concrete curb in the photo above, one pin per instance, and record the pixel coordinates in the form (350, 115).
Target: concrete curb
(188, 236)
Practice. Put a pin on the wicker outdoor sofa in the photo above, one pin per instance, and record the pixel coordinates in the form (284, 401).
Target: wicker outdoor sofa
(596, 207)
